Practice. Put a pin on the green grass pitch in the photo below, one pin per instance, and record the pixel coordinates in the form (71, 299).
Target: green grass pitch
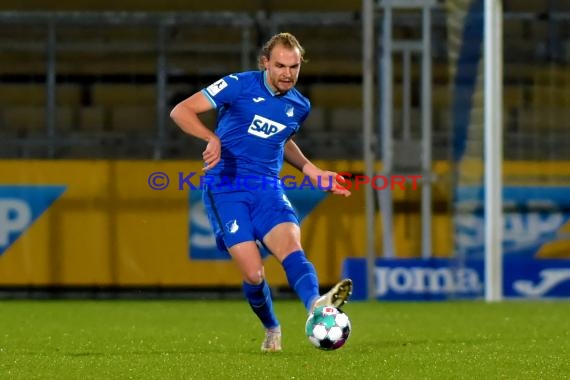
(221, 340)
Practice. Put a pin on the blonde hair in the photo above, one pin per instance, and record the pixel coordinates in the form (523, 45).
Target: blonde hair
(285, 39)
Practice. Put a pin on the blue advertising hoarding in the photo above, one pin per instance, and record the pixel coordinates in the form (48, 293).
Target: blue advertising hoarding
(441, 279)
(536, 252)
(21, 206)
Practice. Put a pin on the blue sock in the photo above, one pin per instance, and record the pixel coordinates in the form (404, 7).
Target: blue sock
(302, 277)
(259, 298)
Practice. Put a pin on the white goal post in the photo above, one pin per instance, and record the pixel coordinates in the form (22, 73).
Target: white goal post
(493, 149)
(493, 142)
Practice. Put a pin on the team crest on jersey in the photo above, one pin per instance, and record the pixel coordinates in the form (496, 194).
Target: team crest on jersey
(232, 226)
(289, 110)
(264, 128)
(216, 87)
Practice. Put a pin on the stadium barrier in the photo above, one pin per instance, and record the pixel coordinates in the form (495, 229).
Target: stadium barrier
(99, 223)
(536, 252)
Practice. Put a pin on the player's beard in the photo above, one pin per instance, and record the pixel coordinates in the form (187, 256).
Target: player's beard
(284, 85)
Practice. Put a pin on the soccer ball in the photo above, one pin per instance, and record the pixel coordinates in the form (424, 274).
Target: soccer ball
(328, 328)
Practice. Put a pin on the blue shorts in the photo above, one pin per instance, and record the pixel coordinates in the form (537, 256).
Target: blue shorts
(241, 216)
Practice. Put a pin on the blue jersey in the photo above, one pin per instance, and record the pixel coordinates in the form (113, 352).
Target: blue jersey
(253, 126)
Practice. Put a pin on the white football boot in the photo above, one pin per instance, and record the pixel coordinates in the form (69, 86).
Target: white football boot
(337, 296)
(272, 341)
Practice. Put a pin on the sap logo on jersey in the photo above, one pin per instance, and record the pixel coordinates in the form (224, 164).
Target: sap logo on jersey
(20, 206)
(264, 128)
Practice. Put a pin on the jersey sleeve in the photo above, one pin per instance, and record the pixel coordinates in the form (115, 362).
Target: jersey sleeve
(307, 112)
(224, 91)
(300, 122)
(304, 116)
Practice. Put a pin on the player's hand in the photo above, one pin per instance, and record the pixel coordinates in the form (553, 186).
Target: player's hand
(329, 180)
(212, 154)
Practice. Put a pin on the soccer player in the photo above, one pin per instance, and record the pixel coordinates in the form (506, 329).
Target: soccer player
(258, 114)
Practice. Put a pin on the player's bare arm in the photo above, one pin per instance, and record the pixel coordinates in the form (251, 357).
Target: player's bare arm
(185, 115)
(294, 156)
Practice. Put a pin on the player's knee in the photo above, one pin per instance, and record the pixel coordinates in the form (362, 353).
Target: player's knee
(254, 277)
